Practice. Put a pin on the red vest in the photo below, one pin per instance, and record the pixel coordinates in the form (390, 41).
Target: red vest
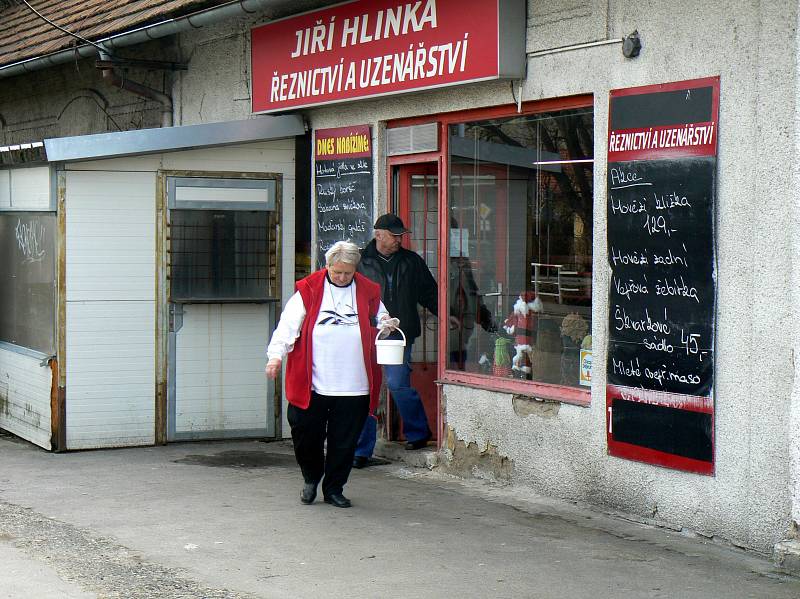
(298, 362)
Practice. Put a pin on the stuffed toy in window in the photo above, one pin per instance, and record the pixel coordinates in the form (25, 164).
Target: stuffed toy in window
(522, 323)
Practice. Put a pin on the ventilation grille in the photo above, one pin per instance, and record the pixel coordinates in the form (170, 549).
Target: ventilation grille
(412, 140)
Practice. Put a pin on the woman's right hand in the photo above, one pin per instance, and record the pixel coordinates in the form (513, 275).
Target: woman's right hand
(273, 368)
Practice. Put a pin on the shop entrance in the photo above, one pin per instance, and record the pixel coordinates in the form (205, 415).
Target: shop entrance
(416, 194)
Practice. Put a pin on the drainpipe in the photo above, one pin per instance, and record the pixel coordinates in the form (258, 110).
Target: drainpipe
(111, 77)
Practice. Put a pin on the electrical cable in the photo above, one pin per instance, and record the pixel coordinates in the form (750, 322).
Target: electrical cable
(62, 29)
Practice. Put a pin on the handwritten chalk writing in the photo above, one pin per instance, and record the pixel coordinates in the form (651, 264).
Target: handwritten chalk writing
(358, 227)
(656, 374)
(631, 207)
(324, 209)
(646, 324)
(671, 259)
(688, 379)
(631, 368)
(657, 225)
(30, 240)
(661, 345)
(626, 288)
(354, 205)
(635, 257)
(325, 170)
(690, 343)
(348, 188)
(671, 200)
(674, 288)
(621, 179)
(331, 226)
(326, 190)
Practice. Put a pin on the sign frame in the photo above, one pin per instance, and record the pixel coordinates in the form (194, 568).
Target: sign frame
(295, 58)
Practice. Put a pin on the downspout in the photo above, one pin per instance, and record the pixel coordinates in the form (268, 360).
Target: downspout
(111, 77)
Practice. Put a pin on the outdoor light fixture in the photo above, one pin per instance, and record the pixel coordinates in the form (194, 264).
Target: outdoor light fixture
(631, 45)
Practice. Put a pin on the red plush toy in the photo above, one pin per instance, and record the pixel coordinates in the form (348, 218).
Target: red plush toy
(522, 323)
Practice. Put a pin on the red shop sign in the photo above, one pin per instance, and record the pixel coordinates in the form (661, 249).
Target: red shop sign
(371, 48)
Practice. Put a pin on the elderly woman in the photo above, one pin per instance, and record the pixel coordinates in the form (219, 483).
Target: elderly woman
(332, 378)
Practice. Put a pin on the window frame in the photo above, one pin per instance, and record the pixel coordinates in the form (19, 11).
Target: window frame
(549, 391)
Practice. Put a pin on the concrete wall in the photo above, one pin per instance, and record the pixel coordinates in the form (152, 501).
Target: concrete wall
(560, 449)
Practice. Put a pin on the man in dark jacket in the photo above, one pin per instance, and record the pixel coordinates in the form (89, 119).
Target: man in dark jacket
(405, 282)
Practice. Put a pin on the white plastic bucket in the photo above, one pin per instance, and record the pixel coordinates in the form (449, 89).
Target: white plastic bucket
(390, 351)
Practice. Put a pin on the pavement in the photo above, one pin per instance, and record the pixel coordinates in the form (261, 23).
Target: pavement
(223, 519)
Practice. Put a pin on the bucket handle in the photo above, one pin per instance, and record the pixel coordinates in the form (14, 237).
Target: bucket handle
(397, 329)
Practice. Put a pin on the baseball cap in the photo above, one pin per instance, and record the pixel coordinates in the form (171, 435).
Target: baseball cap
(391, 223)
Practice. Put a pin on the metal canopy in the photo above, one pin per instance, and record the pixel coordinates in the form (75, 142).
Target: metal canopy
(148, 141)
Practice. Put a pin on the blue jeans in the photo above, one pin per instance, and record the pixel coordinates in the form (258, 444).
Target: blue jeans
(408, 402)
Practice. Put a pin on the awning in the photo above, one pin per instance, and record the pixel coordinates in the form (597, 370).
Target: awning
(166, 139)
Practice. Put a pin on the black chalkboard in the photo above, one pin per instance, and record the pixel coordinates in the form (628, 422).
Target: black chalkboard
(343, 189)
(662, 292)
(28, 279)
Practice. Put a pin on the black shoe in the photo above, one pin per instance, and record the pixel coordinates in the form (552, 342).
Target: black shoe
(309, 493)
(337, 500)
(360, 461)
(418, 444)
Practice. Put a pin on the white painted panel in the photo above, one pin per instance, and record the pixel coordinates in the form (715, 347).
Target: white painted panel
(25, 397)
(30, 188)
(110, 290)
(220, 194)
(150, 162)
(219, 370)
(5, 189)
(110, 374)
(110, 224)
(276, 156)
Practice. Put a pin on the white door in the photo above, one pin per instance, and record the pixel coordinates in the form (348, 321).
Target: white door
(222, 265)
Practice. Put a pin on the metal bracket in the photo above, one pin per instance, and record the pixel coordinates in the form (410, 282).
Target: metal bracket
(175, 317)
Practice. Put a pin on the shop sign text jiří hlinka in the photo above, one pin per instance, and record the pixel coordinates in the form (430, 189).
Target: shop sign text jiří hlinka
(662, 148)
(375, 48)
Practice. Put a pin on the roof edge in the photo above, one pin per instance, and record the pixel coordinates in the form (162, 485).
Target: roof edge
(170, 139)
(209, 16)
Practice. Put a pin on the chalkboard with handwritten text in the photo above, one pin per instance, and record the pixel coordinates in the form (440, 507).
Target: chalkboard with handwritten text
(661, 182)
(660, 235)
(343, 187)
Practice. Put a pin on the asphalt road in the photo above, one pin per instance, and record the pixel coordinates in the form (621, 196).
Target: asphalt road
(224, 520)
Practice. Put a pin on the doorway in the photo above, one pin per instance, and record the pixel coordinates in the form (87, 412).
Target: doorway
(222, 271)
(415, 189)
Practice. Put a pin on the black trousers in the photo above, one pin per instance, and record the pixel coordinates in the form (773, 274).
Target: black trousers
(340, 420)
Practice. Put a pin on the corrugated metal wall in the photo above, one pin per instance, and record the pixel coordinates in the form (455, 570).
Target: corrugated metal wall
(110, 294)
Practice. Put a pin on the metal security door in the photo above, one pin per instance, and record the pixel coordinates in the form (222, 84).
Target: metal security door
(222, 267)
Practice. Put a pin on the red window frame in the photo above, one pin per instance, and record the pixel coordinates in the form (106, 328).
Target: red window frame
(561, 393)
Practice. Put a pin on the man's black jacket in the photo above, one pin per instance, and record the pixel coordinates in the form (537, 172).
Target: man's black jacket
(413, 284)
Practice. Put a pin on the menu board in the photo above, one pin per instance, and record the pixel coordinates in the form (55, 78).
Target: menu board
(343, 187)
(660, 215)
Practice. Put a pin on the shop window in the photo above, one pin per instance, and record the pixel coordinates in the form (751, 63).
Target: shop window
(28, 280)
(520, 248)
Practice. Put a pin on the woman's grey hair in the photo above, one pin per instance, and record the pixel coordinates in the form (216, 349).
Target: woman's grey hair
(343, 251)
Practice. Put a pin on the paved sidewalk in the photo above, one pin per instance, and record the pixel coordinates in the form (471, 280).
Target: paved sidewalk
(224, 520)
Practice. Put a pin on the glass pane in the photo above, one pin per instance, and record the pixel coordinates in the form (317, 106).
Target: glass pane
(28, 279)
(520, 248)
(424, 208)
(220, 254)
